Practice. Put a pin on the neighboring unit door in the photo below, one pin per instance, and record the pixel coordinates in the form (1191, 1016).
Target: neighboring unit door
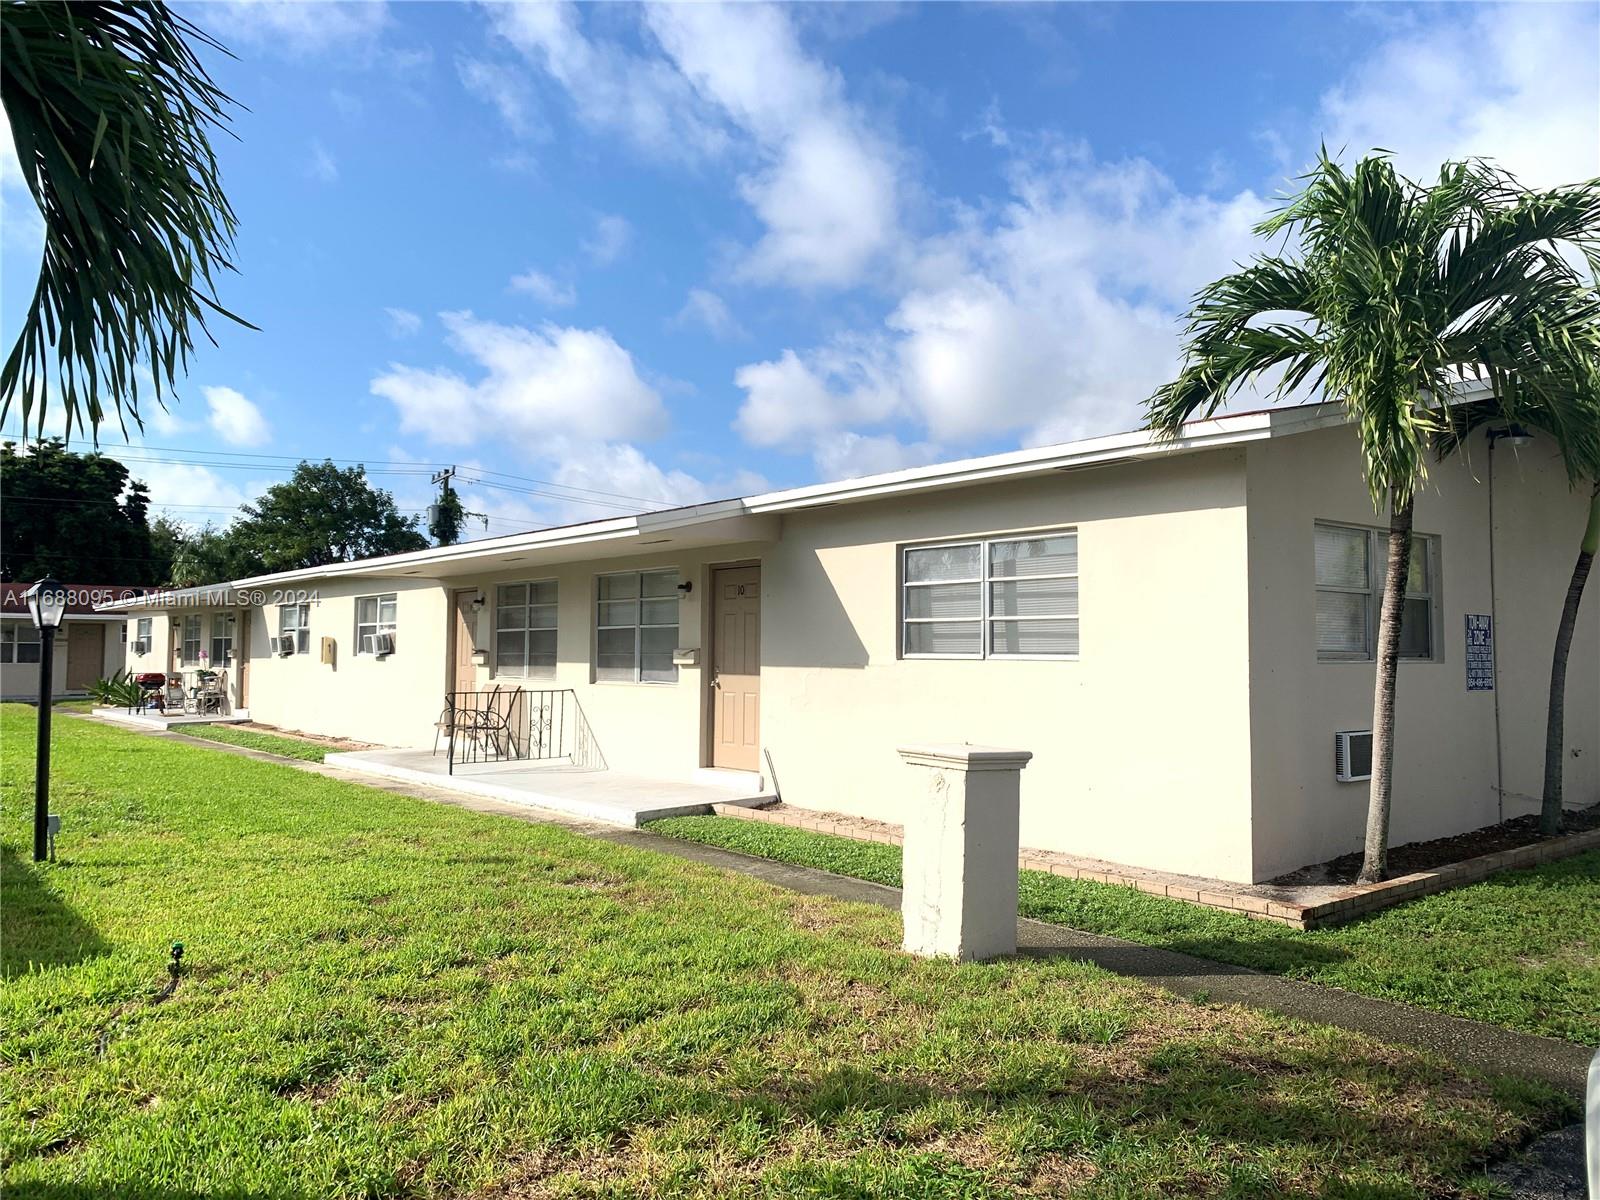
(463, 677)
(736, 668)
(86, 654)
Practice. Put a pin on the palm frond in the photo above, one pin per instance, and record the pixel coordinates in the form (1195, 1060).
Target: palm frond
(1407, 290)
(112, 113)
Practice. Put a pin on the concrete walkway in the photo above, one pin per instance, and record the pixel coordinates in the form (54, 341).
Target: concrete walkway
(589, 793)
(1472, 1045)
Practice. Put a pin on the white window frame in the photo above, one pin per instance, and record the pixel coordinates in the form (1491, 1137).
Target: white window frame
(300, 626)
(639, 624)
(370, 629)
(528, 670)
(985, 581)
(1377, 567)
(12, 641)
(196, 622)
(144, 630)
(225, 639)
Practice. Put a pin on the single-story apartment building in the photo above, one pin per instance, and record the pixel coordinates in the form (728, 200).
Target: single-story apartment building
(90, 645)
(1177, 629)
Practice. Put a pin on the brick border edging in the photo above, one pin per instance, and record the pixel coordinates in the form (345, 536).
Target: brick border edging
(1359, 901)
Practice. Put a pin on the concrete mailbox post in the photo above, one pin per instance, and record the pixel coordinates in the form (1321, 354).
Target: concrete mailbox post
(960, 873)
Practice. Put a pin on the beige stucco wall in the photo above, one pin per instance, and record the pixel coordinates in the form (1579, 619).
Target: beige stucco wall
(159, 656)
(1445, 771)
(20, 681)
(1141, 746)
(652, 728)
(390, 701)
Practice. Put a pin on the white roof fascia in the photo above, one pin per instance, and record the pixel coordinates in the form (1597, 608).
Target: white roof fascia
(1209, 434)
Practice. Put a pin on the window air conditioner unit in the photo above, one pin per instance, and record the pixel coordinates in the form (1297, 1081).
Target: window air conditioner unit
(285, 646)
(1352, 755)
(383, 644)
(141, 646)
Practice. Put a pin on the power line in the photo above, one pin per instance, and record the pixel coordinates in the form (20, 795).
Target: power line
(404, 467)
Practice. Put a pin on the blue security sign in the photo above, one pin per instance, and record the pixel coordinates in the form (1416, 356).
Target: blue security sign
(1480, 652)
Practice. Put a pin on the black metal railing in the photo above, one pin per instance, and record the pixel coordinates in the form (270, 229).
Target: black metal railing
(506, 724)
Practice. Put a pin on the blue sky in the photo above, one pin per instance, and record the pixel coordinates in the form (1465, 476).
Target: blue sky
(672, 253)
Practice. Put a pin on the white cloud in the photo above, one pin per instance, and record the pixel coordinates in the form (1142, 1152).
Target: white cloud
(710, 312)
(234, 418)
(610, 239)
(847, 455)
(293, 25)
(828, 189)
(1517, 83)
(1054, 320)
(322, 166)
(544, 289)
(403, 322)
(507, 89)
(1053, 314)
(194, 495)
(641, 98)
(536, 384)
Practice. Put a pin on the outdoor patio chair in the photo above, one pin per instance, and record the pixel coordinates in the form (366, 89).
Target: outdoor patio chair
(210, 694)
(465, 718)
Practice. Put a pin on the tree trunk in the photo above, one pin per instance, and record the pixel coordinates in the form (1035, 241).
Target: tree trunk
(1554, 736)
(1375, 859)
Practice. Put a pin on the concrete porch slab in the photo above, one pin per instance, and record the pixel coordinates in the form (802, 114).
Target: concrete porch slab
(150, 719)
(592, 793)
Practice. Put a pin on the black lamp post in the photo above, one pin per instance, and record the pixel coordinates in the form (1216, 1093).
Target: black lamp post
(47, 603)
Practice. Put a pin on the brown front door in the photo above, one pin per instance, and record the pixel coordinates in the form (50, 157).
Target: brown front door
(463, 676)
(86, 654)
(736, 668)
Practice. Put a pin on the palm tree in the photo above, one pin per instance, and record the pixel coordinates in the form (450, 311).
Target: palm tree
(1395, 294)
(1574, 425)
(112, 113)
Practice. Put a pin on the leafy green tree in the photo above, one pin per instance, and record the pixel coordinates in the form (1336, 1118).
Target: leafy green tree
(1387, 295)
(323, 514)
(75, 516)
(112, 115)
(446, 518)
(212, 555)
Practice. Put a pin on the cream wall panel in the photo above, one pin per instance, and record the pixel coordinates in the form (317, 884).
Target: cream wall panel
(1445, 780)
(391, 702)
(1141, 747)
(20, 681)
(650, 728)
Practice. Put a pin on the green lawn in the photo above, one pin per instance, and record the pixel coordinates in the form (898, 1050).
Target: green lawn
(253, 739)
(1521, 949)
(385, 997)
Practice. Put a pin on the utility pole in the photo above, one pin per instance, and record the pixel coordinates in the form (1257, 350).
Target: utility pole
(445, 516)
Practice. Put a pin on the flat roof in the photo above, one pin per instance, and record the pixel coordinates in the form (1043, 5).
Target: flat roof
(753, 518)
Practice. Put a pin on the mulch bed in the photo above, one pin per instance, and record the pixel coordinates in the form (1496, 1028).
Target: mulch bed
(1425, 856)
(332, 743)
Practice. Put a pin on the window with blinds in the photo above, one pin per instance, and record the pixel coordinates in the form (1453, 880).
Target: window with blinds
(1350, 565)
(525, 629)
(1014, 597)
(636, 627)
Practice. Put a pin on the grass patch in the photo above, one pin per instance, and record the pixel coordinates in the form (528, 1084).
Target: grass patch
(252, 739)
(387, 998)
(1521, 949)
